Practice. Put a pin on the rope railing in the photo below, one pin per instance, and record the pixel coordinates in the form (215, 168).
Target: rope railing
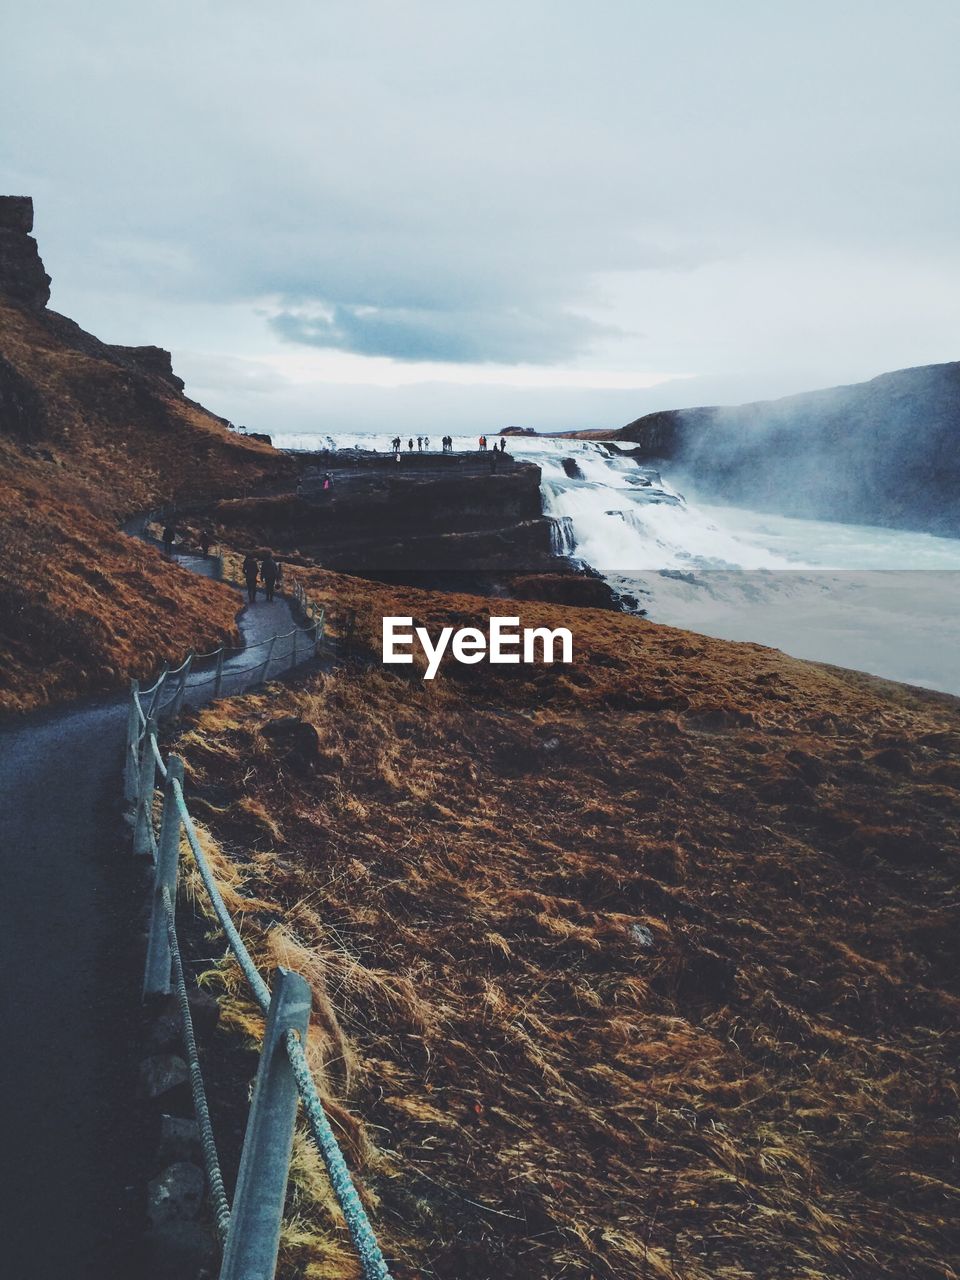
(249, 1231)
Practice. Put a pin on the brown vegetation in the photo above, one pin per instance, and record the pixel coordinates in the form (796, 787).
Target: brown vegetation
(641, 968)
(85, 440)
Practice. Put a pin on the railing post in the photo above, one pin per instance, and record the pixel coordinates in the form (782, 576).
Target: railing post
(147, 781)
(178, 702)
(218, 681)
(293, 648)
(156, 974)
(157, 688)
(253, 1240)
(131, 760)
(266, 665)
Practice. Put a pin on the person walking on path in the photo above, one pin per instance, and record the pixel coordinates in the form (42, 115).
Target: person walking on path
(269, 572)
(169, 534)
(205, 541)
(251, 572)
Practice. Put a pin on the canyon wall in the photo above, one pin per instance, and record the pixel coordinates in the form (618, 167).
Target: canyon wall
(880, 452)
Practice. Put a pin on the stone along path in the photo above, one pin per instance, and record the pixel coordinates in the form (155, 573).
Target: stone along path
(70, 967)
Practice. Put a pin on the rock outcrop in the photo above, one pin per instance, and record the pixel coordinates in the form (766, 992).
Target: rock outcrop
(368, 522)
(22, 276)
(151, 360)
(880, 452)
(90, 433)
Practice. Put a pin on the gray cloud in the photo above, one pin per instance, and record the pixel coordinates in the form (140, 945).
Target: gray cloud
(631, 183)
(449, 336)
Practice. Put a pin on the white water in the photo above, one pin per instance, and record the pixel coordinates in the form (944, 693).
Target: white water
(879, 600)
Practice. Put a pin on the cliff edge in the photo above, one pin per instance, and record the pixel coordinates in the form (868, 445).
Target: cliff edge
(89, 434)
(879, 452)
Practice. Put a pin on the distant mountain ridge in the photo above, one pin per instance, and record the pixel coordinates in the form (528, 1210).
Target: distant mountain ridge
(883, 452)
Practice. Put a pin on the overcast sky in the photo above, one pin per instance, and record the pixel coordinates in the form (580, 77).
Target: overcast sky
(340, 214)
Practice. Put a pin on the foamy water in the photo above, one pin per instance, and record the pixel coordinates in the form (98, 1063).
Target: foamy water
(881, 600)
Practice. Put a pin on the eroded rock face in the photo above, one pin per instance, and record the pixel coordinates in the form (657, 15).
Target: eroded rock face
(22, 276)
(22, 413)
(152, 360)
(878, 452)
(372, 519)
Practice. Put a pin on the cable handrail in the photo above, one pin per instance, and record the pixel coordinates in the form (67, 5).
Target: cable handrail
(249, 1231)
(221, 1206)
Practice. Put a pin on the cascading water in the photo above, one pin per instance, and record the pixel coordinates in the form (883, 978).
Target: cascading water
(881, 600)
(562, 540)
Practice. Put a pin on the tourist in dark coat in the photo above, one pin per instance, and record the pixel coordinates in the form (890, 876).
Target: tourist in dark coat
(251, 572)
(269, 572)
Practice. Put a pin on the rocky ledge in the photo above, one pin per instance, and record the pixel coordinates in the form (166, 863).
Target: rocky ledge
(445, 522)
(22, 276)
(371, 519)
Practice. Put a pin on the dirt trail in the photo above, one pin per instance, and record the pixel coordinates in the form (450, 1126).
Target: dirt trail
(70, 995)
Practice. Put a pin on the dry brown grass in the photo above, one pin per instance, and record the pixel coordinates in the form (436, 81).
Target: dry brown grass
(645, 968)
(85, 607)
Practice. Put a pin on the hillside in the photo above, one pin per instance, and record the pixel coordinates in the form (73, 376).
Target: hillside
(885, 451)
(641, 968)
(90, 434)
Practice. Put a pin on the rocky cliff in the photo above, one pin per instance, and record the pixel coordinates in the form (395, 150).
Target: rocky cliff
(89, 433)
(370, 522)
(22, 276)
(880, 452)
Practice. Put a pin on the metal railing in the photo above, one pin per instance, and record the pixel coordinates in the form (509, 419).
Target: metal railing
(249, 1231)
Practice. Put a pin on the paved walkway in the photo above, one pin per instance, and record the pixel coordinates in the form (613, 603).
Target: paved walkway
(69, 966)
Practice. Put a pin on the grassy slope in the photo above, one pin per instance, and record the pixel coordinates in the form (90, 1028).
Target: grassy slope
(85, 606)
(646, 968)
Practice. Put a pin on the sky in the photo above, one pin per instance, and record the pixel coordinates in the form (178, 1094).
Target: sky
(362, 214)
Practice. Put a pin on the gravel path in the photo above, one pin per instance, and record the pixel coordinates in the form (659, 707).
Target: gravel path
(69, 959)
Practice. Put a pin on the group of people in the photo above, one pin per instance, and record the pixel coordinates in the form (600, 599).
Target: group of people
(423, 442)
(269, 573)
(204, 540)
(502, 447)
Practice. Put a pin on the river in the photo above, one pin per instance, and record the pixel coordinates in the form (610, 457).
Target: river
(885, 601)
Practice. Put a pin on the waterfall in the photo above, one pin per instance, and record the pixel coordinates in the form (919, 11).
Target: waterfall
(562, 540)
(833, 592)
